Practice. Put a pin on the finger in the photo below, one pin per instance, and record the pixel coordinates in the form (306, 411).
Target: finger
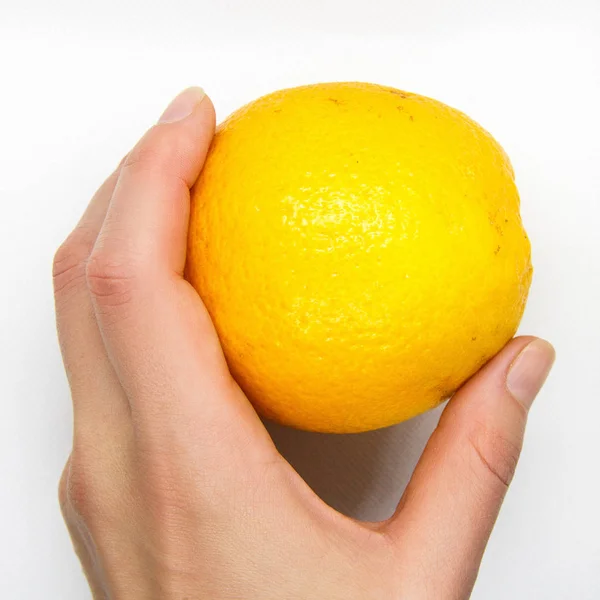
(148, 216)
(454, 496)
(157, 332)
(96, 392)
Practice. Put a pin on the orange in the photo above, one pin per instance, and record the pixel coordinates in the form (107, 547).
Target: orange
(360, 251)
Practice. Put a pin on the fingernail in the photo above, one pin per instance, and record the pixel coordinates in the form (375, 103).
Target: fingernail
(529, 370)
(183, 105)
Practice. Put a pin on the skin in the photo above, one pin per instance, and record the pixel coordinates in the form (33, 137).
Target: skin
(174, 490)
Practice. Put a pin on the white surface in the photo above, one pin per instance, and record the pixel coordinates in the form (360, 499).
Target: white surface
(80, 85)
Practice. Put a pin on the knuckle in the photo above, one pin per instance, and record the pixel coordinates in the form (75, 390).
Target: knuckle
(110, 279)
(62, 486)
(496, 452)
(68, 266)
(75, 487)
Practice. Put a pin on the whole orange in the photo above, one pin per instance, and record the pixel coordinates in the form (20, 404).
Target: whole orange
(360, 251)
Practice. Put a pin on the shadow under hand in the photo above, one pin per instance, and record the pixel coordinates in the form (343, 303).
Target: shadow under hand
(362, 475)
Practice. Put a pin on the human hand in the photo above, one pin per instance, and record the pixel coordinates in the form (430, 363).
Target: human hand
(175, 490)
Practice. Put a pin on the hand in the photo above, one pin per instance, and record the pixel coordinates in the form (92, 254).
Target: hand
(174, 489)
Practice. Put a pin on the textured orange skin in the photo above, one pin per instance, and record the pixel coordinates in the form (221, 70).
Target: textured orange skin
(360, 251)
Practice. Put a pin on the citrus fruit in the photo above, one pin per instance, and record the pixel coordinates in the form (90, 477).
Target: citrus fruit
(360, 251)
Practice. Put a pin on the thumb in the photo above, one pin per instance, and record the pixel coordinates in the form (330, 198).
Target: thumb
(453, 499)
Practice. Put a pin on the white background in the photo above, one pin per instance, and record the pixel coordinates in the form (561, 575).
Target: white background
(80, 83)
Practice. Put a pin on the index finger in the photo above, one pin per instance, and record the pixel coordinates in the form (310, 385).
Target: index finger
(156, 330)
